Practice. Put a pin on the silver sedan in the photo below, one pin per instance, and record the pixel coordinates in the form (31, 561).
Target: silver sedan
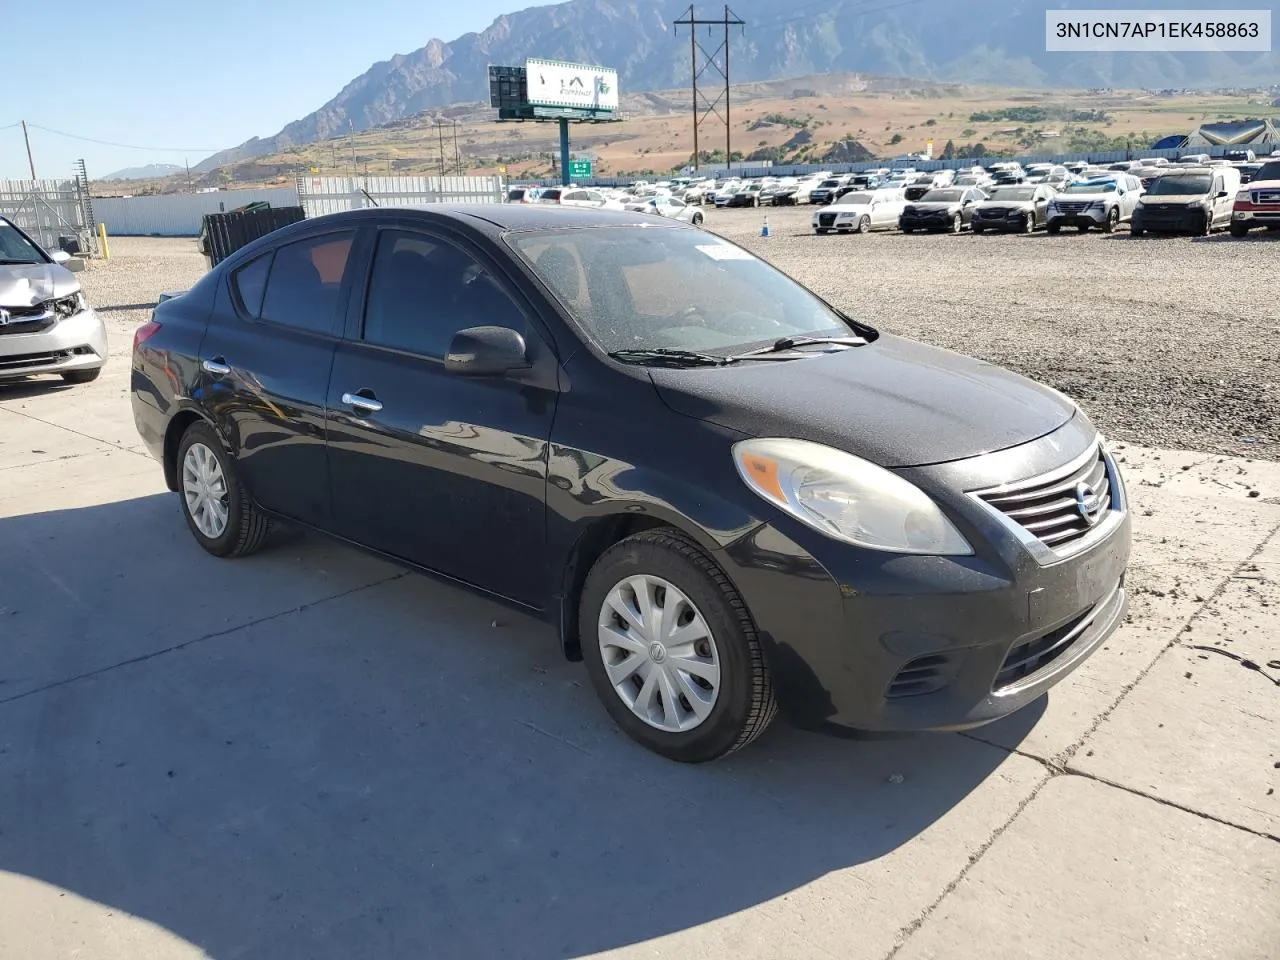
(46, 325)
(664, 206)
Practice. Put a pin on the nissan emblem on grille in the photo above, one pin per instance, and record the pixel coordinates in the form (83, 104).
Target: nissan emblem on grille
(1089, 503)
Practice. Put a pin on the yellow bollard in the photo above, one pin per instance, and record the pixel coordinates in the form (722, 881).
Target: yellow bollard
(102, 234)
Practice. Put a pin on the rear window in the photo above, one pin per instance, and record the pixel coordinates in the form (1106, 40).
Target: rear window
(305, 282)
(250, 282)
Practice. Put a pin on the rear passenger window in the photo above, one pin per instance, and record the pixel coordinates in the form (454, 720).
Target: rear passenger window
(424, 290)
(250, 282)
(305, 282)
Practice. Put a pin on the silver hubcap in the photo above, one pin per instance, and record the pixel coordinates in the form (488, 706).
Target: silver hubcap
(659, 653)
(205, 490)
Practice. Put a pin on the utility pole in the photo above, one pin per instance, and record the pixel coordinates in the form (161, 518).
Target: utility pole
(440, 140)
(27, 140)
(457, 162)
(351, 133)
(703, 106)
(187, 164)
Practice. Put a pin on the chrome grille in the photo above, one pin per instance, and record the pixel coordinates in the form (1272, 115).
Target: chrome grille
(1058, 508)
(1266, 196)
(1068, 206)
(826, 219)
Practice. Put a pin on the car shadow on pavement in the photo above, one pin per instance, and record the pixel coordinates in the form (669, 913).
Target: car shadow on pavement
(394, 767)
(31, 387)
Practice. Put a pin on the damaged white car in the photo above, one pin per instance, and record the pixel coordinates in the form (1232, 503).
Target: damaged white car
(46, 325)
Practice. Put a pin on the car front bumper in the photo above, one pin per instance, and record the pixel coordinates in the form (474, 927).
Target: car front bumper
(1008, 221)
(76, 343)
(848, 632)
(1180, 220)
(940, 222)
(1079, 218)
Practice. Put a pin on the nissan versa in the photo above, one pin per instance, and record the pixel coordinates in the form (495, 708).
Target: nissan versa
(727, 496)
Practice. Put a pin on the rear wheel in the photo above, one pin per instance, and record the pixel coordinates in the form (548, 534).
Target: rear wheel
(222, 518)
(82, 376)
(672, 651)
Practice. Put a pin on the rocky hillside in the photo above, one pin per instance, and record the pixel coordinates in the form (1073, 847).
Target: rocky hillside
(935, 39)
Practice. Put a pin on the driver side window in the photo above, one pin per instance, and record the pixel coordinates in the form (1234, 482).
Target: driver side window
(424, 289)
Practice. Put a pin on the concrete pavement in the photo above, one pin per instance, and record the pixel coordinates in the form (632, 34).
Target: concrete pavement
(311, 753)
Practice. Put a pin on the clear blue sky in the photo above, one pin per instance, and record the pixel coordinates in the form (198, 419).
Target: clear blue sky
(194, 78)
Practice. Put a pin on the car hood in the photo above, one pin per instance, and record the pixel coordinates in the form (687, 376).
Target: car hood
(23, 285)
(895, 402)
(920, 206)
(1004, 205)
(1174, 199)
(1084, 197)
(843, 207)
(1253, 185)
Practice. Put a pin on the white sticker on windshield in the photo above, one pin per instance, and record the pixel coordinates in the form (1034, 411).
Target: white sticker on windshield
(725, 251)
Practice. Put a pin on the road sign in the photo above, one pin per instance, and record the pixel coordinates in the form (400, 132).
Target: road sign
(579, 169)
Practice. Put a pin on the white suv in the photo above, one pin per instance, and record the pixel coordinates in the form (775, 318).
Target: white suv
(1103, 202)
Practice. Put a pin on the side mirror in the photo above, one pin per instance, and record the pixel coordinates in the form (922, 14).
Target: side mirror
(486, 352)
(1223, 193)
(59, 256)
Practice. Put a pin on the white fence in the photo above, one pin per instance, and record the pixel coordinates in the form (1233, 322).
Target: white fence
(47, 210)
(178, 214)
(321, 195)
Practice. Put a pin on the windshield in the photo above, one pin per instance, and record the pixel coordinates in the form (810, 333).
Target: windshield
(830, 183)
(1106, 186)
(1013, 193)
(943, 196)
(1269, 171)
(854, 198)
(644, 288)
(16, 248)
(1183, 186)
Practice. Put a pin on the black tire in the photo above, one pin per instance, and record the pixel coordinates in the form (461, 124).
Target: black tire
(745, 705)
(1272, 227)
(1239, 230)
(1113, 220)
(977, 229)
(1206, 228)
(82, 376)
(247, 527)
(957, 223)
(1054, 228)
(864, 225)
(1136, 231)
(1029, 223)
(908, 229)
(697, 219)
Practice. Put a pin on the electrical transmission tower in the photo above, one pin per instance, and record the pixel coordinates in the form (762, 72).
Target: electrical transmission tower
(703, 105)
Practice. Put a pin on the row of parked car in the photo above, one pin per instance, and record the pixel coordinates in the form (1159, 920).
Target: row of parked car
(1194, 194)
(1197, 196)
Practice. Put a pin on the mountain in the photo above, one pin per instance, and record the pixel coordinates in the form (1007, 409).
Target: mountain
(150, 171)
(982, 41)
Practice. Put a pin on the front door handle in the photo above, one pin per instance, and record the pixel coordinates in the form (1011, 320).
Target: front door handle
(217, 366)
(361, 403)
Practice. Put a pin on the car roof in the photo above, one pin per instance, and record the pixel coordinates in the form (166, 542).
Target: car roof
(495, 218)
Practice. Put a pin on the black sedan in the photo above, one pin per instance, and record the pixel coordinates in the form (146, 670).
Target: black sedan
(643, 434)
(947, 209)
(830, 190)
(1021, 209)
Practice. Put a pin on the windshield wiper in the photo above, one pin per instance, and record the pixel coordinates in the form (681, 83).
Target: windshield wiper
(11, 263)
(680, 358)
(790, 343)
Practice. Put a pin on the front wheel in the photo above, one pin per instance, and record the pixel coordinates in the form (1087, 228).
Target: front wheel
(864, 225)
(1029, 223)
(1206, 228)
(1113, 219)
(697, 219)
(1239, 230)
(957, 223)
(1136, 231)
(977, 229)
(672, 651)
(1054, 228)
(908, 229)
(220, 514)
(82, 376)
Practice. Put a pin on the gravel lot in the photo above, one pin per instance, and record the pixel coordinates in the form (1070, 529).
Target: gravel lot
(1169, 342)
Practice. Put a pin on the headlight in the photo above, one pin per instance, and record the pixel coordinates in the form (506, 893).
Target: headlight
(847, 498)
(66, 307)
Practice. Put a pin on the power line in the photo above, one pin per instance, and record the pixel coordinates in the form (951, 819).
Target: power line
(126, 146)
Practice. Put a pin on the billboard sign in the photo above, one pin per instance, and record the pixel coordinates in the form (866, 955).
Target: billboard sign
(554, 83)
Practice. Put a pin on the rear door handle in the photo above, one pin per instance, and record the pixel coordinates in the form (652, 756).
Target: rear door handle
(367, 404)
(217, 366)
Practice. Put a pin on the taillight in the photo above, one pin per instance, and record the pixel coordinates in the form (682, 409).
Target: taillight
(145, 333)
